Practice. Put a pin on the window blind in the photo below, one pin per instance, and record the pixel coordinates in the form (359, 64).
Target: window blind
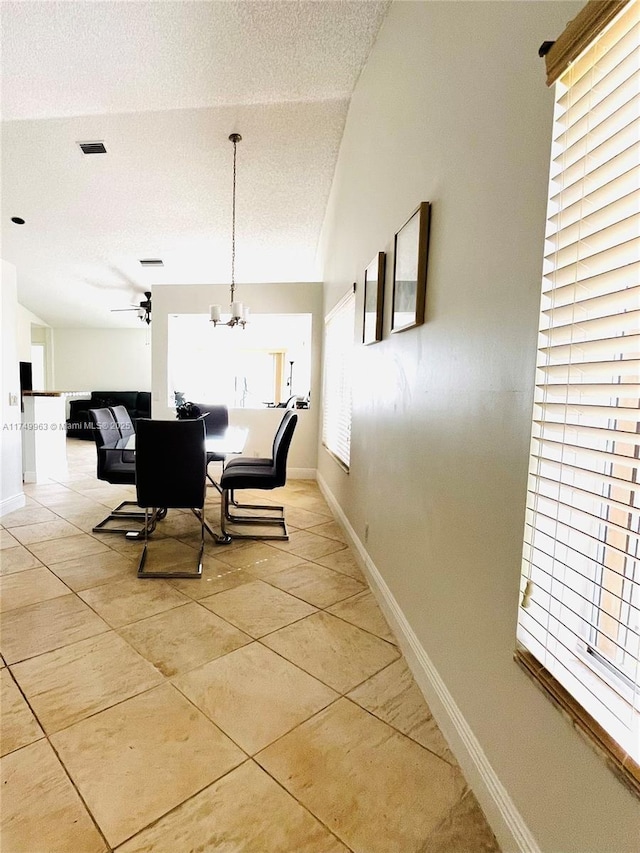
(338, 359)
(579, 616)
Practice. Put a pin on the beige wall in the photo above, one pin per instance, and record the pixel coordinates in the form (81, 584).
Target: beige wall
(102, 359)
(452, 108)
(293, 298)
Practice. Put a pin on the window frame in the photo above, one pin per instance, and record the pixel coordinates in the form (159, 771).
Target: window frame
(556, 648)
(337, 380)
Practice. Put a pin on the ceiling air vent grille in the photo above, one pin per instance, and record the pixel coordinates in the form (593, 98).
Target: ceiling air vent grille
(151, 262)
(92, 147)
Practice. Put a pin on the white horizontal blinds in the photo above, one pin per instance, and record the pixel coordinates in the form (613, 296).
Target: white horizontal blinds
(338, 362)
(580, 607)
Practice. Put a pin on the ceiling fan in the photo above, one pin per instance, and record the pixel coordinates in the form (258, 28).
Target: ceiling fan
(143, 308)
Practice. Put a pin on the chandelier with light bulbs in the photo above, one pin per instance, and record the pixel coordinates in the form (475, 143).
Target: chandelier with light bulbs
(239, 312)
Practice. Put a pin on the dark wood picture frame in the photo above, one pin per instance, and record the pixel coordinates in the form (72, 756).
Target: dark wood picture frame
(373, 300)
(410, 258)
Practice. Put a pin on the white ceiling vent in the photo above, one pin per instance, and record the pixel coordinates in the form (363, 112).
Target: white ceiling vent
(151, 262)
(92, 147)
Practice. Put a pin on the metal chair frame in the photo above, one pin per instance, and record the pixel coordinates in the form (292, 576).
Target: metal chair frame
(251, 519)
(227, 517)
(149, 527)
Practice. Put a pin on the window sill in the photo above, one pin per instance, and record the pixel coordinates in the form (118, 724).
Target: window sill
(336, 459)
(620, 762)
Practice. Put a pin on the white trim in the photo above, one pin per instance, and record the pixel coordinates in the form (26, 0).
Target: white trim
(504, 818)
(10, 504)
(301, 474)
(340, 304)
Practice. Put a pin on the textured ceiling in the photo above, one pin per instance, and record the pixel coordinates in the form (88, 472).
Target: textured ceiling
(163, 84)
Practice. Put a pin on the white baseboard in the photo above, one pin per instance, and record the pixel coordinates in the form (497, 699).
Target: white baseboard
(14, 502)
(301, 473)
(500, 810)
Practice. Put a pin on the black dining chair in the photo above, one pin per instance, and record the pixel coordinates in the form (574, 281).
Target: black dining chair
(104, 427)
(115, 466)
(253, 461)
(125, 428)
(216, 422)
(261, 476)
(171, 469)
(123, 421)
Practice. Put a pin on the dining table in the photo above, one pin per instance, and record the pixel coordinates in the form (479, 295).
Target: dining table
(230, 442)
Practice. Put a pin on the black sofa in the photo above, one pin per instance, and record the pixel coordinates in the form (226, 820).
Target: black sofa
(137, 403)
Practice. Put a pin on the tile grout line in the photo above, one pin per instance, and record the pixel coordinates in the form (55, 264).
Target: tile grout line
(166, 679)
(300, 803)
(47, 737)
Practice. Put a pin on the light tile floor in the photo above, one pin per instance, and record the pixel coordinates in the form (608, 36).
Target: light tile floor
(264, 708)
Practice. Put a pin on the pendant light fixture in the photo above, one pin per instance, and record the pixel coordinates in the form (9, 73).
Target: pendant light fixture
(239, 312)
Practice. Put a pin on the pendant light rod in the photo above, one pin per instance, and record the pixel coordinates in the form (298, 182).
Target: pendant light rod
(235, 138)
(239, 312)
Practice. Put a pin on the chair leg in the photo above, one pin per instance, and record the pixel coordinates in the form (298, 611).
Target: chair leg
(148, 528)
(213, 482)
(160, 513)
(225, 516)
(253, 519)
(238, 505)
(120, 513)
(218, 538)
(143, 556)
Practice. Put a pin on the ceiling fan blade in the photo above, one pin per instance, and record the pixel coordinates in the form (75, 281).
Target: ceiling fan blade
(143, 308)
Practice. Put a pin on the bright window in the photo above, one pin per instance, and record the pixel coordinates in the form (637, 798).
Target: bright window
(580, 595)
(264, 364)
(338, 367)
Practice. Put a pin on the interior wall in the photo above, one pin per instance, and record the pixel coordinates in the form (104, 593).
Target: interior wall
(24, 320)
(29, 329)
(452, 108)
(102, 359)
(295, 298)
(11, 494)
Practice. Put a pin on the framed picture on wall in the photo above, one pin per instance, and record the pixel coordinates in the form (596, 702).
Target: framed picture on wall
(411, 248)
(373, 300)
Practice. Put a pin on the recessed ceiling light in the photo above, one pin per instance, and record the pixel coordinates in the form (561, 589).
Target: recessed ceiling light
(151, 262)
(92, 147)
(18, 220)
